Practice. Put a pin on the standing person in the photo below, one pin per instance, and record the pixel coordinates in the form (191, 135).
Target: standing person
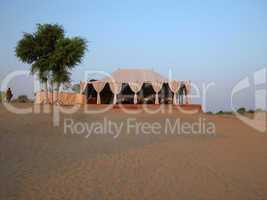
(9, 95)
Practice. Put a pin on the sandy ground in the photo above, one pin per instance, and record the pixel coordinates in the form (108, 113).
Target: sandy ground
(39, 161)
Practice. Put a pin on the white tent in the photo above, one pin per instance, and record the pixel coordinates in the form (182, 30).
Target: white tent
(132, 75)
(135, 78)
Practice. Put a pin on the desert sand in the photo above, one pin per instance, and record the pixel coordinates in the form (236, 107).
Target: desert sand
(39, 161)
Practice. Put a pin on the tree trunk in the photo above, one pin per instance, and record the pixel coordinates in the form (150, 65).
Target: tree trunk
(57, 93)
(52, 92)
(46, 92)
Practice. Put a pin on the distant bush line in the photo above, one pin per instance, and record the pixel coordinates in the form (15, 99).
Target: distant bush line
(22, 99)
(19, 99)
(241, 110)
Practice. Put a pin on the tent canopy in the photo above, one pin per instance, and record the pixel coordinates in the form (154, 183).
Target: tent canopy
(135, 78)
(134, 75)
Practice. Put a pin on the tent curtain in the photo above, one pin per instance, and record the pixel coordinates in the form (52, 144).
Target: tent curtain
(174, 86)
(99, 86)
(157, 87)
(135, 87)
(188, 91)
(116, 89)
(82, 86)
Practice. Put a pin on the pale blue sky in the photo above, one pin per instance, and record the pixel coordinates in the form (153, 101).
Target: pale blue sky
(220, 41)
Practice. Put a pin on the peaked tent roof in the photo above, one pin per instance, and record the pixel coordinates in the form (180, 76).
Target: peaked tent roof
(129, 75)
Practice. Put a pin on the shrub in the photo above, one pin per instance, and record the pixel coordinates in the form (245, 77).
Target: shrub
(251, 111)
(259, 110)
(210, 113)
(241, 110)
(224, 113)
(220, 112)
(22, 99)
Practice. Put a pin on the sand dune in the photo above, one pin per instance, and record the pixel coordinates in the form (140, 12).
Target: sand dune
(39, 161)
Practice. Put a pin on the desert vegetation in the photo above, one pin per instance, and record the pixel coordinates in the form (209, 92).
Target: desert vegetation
(51, 55)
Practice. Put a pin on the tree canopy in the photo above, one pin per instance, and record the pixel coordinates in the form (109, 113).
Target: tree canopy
(50, 53)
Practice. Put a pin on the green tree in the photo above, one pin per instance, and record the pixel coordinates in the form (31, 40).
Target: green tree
(51, 55)
(68, 54)
(36, 49)
(241, 110)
